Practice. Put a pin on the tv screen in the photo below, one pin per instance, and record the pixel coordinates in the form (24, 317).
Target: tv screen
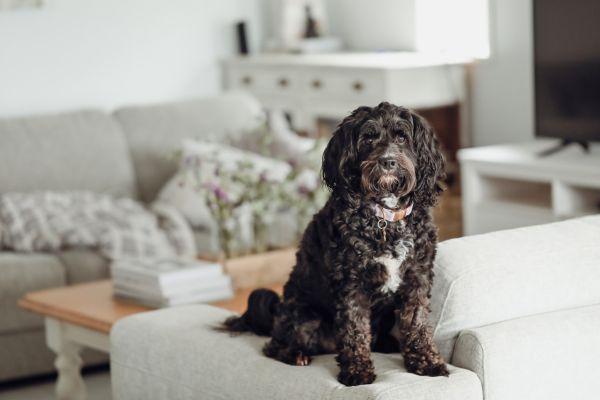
(567, 69)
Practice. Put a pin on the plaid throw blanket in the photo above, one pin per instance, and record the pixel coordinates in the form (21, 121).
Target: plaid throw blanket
(118, 228)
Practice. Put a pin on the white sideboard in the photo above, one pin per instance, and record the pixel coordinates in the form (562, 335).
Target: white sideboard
(511, 185)
(331, 85)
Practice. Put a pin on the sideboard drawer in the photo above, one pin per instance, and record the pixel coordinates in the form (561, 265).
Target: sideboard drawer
(342, 84)
(271, 80)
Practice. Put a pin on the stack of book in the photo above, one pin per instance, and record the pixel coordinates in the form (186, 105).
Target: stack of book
(168, 283)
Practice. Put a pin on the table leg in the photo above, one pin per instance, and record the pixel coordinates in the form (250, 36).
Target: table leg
(70, 384)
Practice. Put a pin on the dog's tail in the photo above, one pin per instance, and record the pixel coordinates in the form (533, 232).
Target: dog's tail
(258, 318)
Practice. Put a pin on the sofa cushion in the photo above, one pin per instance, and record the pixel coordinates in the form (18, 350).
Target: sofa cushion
(177, 354)
(83, 265)
(155, 132)
(503, 275)
(546, 356)
(78, 150)
(22, 273)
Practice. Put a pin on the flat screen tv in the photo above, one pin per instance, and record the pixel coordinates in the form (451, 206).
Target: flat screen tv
(567, 69)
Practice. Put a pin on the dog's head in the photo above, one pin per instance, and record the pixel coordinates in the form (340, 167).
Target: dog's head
(386, 154)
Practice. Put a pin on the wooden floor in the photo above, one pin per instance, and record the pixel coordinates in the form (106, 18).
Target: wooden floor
(448, 214)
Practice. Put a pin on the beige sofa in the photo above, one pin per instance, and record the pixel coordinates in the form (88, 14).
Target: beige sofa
(516, 313)
(126, 153)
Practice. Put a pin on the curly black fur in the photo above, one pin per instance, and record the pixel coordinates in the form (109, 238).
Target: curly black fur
(340, 296)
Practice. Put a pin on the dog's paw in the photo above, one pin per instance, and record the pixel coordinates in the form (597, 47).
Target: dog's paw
(439, 369)
(357, 376)
(425, 368)
(302, 360)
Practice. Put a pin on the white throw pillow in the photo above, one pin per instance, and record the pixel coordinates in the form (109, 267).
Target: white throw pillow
(202, 158)
(229, 158)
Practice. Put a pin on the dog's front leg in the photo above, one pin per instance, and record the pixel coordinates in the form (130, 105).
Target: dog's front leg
(353, 337)
(420, 353)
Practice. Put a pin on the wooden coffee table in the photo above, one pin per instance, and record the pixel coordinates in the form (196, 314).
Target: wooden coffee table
(81, 316)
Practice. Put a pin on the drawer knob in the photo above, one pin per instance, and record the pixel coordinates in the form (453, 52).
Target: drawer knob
(247, 80)
(358, 86)
(283, 82)
(317, 84)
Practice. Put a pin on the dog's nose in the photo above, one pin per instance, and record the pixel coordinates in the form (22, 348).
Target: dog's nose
(388, 163)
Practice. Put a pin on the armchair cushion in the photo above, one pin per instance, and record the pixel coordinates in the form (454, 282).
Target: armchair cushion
(176, 354)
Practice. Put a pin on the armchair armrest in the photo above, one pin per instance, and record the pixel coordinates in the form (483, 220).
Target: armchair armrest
(546, 356)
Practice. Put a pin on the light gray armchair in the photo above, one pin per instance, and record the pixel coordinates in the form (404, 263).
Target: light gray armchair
(516, 312)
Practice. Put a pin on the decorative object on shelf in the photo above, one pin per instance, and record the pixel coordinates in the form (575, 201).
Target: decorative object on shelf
(300, 26)
(316, 45)
(242, 37)
(311, 29)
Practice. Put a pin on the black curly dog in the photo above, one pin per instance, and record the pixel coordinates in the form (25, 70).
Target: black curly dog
(363, 272)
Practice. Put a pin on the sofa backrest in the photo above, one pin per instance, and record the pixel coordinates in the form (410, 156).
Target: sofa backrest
(154, 132)
(83, 150)
(499, 276)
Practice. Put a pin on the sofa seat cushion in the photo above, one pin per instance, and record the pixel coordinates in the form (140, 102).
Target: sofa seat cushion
(84, 265)
(83, 150)
(176, 354)
(498, 276)
(22, 273)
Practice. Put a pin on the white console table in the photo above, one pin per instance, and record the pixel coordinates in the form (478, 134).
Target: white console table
(511, 185)
(331, 85)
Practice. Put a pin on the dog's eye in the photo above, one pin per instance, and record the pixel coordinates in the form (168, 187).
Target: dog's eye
(401, 138)
(370, 137)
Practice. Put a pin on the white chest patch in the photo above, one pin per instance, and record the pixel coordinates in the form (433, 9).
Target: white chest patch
(392, 265)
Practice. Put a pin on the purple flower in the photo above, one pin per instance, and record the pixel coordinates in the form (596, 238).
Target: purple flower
(221, 194)
(263, 177)
(304, 190)
(218, 191)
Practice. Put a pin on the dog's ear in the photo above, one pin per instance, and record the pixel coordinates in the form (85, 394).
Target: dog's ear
(340, 155)
(431, 169)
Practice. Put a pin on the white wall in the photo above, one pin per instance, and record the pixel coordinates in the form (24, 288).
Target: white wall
(105, 53)
(365, 25)
(502, 87)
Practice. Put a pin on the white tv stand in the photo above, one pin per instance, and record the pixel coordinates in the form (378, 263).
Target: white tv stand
(511, 185)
